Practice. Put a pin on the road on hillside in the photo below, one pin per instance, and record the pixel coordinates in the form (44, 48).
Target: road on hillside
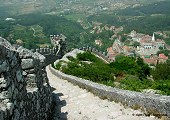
(74, 103)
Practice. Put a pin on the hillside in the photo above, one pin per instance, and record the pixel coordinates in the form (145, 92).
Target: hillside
(18, 7)
(157, 8)
(151, 17)
(33, 30)
(75, 20)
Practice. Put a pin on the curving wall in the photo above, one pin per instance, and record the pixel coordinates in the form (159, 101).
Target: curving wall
(157, 105)
(100, 54)
(25, 93)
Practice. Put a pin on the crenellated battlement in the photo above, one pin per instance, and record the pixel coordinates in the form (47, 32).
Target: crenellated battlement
(46, 51)
(57, 39)
(52, 55)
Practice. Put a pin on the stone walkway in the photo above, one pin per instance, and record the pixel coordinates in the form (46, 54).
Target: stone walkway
(74, 103)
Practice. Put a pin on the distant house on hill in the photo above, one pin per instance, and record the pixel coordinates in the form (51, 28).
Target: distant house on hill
(98, 42)
(161, 58)
(151, 60)
(9, 19)
(118, 48)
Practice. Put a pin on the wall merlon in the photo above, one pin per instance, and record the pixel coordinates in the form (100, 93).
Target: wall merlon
(37, 50)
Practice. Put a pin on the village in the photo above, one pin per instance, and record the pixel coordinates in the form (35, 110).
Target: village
(142, 45)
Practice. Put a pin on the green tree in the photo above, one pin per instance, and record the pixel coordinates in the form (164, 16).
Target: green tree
(123, 38)
(118, 57)
(131, 66)
(143, 68)
(135, 44)
(162, 71)
(165, 52)
(126, 64)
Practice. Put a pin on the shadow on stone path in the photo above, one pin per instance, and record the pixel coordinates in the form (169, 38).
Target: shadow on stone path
(58, 114)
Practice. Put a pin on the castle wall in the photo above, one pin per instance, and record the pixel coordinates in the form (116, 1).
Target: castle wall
(49, 53)
(25, 93)
(100, 54)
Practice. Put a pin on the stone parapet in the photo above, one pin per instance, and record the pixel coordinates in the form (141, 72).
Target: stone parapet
(100, 54)
(47, 51)
(158, 105)
(25, 93)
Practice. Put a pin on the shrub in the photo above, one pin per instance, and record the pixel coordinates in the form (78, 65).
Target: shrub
(162, 71)
(57, 66)
(97, 71)
(134, 84)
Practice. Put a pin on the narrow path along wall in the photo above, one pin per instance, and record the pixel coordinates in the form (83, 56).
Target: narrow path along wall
(157, 105)
(25, 93)
(75, 103)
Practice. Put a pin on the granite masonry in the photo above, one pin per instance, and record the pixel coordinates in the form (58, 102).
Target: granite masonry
(25, 93)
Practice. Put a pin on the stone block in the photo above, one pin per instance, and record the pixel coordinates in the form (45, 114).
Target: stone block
(4, 95)
(30, 71)
(27, 64)
(10, 107)
(31, 78)
(19, 76)
(14, 61)
(4, 67)
(2, 113)
(16, 114)
(24, 53)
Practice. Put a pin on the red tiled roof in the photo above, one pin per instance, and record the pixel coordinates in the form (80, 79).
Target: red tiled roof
(159, 40)
(126, 48)
(150, 60)
(162, 56)
(109, 50)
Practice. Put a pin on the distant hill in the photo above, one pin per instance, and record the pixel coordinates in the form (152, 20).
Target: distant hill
(18, 7)
(162, 7)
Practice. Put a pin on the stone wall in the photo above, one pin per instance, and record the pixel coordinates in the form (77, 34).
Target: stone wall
(51, 57)
(46, 50)
(52, 54)
(101, 54)
(25, 93)
(49, 53)
(157, 105)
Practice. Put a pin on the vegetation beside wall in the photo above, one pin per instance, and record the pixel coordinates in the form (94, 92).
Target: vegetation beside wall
(126, 73)
(87, 66)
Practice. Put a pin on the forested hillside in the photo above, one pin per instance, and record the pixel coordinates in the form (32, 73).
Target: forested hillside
(145, 19)
(22, 28)
(162, 7)
(18, 7)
